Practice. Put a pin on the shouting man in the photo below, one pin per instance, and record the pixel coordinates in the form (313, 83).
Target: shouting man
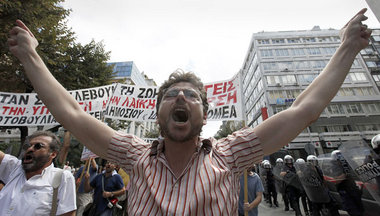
(183, 173)
(28, 186)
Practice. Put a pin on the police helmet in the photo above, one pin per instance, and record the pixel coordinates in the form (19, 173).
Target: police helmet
(312, 159)
(288, 159)
(335, 154)
(279, 160)
(267, 165)
(300, 161)
(375, 142)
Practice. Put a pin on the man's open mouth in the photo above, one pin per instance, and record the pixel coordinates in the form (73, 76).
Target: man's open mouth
(180, 115)
(27, 159)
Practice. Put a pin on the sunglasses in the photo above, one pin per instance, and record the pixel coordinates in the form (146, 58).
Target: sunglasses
(36, 146)
(188, 93)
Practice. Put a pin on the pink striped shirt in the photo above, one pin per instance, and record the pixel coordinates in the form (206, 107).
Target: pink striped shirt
(209, 185)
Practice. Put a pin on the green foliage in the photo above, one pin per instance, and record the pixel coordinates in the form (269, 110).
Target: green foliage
(227, 128)
(154, 133)
(74, 65)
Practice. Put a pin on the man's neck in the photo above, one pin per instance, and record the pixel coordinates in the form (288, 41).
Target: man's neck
(178, 154)
(29, 175)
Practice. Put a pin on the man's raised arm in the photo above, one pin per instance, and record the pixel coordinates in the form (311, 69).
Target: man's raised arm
(65, 109)
(282, 128)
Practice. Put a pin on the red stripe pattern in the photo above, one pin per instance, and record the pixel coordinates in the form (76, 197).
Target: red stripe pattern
(209, 184)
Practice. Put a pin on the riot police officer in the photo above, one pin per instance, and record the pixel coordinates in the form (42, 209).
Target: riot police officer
(280, 184)
(347, 189)
(322, 202)
(306, 203)
(270, 182)
(290, 178)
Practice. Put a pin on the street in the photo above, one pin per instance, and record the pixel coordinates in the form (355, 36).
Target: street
(265, 210)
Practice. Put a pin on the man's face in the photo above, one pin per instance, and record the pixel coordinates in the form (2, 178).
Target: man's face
(37, 154)
(110, 167)
(180, 115)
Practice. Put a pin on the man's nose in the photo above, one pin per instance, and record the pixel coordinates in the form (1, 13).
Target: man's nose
(181, 95)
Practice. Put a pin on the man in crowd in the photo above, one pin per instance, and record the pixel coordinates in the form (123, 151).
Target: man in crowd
(84, 199)
(255, 193)
(28, 182)
(107, 185)
(183, 173)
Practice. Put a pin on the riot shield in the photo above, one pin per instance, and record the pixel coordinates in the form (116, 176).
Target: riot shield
(365, 163)
(333, 172)
(280, 186)
(312, 183)
(291, 179)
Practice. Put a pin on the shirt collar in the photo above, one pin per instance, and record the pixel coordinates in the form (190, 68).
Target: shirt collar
(158, 146)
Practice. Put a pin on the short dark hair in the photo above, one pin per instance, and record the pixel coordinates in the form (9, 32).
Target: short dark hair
(54, 145)
(181, 76)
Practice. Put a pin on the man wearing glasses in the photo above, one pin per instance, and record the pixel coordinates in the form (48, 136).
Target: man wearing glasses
(183, 174)
(28, 182)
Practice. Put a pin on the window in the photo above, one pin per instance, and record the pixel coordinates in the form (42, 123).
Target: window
(313, 51)
(282, 52)
(376, 37)
(298, 52)
(373, 107)
(324, 39)
(273, 80)
(371, 64)
(345, 92)
(289, 79)
(278, 41)
(309, 40)
(368, 127)
(328, 50)
(376, 77)
(306, 78)
(364, 91)
(274, 94)
(292, 93)
(354, 108)
(270, 66)
(294, 40)
(266, 52)
(286, 65)
(318, 64)
(335, 109)
(263, 41)
(357, 77)
(301, 65)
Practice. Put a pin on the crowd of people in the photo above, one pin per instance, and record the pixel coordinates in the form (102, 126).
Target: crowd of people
(307, 181)
(181, 173)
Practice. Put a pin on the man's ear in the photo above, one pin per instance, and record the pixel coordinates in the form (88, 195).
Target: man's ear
(204, 118)
(53, 154)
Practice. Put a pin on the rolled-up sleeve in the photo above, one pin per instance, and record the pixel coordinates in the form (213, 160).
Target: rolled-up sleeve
(125, 150)
(241, 150)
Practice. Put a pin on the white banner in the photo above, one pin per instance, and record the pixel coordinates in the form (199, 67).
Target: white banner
(134, 103)
(118, 101)
(225, 100)
(28, 110)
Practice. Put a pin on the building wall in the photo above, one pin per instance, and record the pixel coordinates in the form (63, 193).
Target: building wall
(279, 65)
(129, 71)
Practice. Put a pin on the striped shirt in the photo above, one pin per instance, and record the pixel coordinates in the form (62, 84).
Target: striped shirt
(209, 185)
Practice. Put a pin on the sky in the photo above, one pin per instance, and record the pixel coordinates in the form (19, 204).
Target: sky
(209, 37)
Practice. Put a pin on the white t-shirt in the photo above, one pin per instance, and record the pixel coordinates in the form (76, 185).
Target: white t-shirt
(34, 196)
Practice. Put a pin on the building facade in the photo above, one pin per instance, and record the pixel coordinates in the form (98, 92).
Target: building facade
(128, 73)
(279, 65)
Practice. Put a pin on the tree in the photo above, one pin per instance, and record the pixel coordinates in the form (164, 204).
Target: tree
(74, 65)
(153, 133)
(227, 128)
